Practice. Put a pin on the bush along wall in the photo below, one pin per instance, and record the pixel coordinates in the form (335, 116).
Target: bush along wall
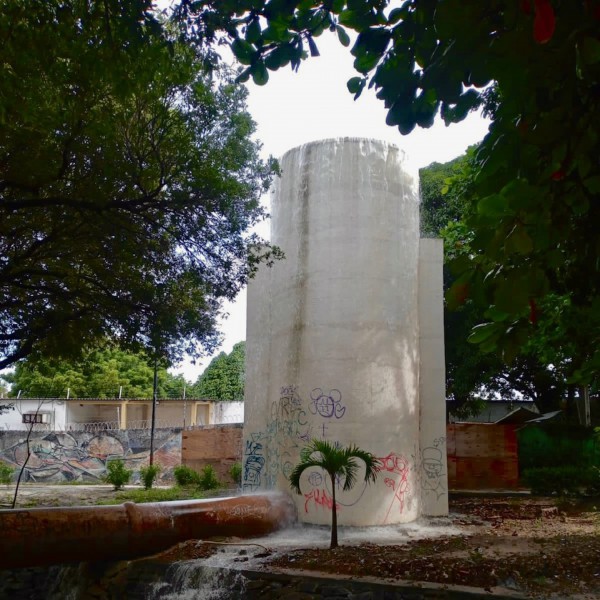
(559, 459)
(557, 445)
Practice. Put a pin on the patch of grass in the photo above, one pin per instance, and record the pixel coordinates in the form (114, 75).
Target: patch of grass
(153, 495)
(80, 482)
(541, 580)
(32, 503)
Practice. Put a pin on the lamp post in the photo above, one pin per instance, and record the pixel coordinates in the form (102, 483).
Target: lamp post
(154, 399)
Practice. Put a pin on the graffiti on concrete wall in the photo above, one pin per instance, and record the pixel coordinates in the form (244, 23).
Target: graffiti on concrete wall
(81, 456)
(293, 422)
(394, 470)
(327, 404)
(270, 452)
(254, 461)
(433, 477)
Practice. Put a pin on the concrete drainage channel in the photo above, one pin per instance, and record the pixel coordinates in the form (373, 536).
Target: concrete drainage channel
(149, 579)
(299, 586)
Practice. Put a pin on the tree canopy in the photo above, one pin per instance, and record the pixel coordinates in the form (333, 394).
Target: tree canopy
(103, 371)
(129, 180)
(224, 378)
(533, 67)
(471, 375)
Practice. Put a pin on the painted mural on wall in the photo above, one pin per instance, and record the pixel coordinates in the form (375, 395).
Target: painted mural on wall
(81, 456)
(293, 422)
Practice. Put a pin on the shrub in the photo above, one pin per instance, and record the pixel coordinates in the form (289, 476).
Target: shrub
(593, 485)
(562, 481)
(117, 474)
(235, 472)
(185, 476)
(208, 479)
(148, 475)
(6, 473)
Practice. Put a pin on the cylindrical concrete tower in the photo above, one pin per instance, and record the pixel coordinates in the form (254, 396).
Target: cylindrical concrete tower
(333, 332)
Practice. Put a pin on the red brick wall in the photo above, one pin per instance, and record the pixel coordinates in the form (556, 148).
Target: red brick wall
(482, 456)
(217, 445)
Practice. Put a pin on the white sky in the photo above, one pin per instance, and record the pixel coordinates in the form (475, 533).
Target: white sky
(314, 103)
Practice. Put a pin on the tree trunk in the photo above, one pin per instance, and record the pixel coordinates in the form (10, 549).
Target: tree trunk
(14, 501)
(334, 536)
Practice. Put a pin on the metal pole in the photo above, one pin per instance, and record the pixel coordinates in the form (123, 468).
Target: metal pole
(586, 406)
(184, 407)
(154, 399)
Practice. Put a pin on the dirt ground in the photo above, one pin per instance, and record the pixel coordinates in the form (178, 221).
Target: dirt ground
(35, 495)
(544, 547)
(539, 546)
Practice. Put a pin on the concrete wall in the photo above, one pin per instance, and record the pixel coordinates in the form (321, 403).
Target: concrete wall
(66, 415)
(432, 380)
(82, 456)
(228, 412)
(13, 419)
(333, 342)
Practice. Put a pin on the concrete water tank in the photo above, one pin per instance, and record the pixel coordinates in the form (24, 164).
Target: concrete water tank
(345, 336)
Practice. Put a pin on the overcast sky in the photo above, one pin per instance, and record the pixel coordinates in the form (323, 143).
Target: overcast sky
(313, 104)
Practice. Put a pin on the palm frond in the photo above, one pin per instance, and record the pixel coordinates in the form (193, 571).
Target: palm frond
(335, 461)
(295, 475)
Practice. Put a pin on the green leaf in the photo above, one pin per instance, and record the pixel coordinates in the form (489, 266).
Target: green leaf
(519, 241)
(483, 332)
(366, 62)
(593, 184)
(343, 36)
(314, 51)
(260, 75)
(349, 18)
(244, 75)
(590, 50)
(494, 206)
(253, 32)
(243, 51)
(355, 86)
(497, 315)
(512, 294)
(396, 15)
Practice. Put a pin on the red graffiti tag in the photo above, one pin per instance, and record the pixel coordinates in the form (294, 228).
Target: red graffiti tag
(320, 498)
(397, 465)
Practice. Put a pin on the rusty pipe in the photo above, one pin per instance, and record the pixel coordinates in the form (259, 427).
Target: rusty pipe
(46, 536)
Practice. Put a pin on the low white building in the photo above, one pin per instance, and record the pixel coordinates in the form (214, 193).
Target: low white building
(90, 414)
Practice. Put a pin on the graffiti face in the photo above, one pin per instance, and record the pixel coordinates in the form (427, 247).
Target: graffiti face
(432, 467)
(253, 465)
(432, 462)
(394, 463)
(327, 404)
(252, 469)
(315, 478)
